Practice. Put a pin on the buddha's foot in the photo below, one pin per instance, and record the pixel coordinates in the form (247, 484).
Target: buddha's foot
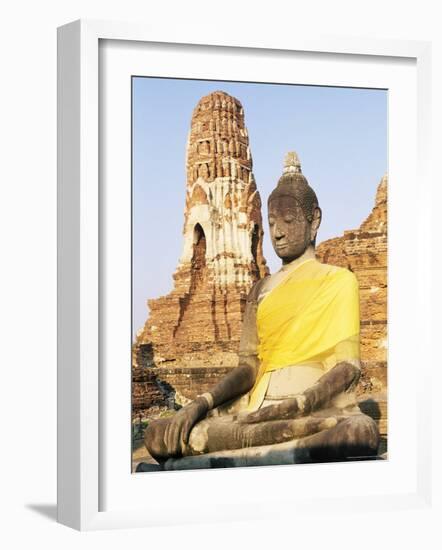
(354, 437)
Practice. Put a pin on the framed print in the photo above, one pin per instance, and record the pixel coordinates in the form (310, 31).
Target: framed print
(168, 152)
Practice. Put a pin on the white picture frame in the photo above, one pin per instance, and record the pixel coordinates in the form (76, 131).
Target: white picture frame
(82, 446)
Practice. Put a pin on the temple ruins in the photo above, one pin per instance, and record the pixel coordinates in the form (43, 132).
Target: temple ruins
(191, 337)
(364, 251)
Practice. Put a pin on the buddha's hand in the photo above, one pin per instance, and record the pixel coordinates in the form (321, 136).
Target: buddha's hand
(289, 408)
(176, 434)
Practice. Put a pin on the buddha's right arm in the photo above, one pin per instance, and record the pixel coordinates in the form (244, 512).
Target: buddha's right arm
(242, 378)
(166, 438)
(236, 383)
(169, 438)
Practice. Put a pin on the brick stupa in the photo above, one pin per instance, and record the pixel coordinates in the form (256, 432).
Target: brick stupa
(192, 334)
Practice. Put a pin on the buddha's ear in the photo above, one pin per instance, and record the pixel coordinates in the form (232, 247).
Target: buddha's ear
(316, 222)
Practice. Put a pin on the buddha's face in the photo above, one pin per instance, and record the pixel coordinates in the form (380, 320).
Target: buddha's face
(290, 231)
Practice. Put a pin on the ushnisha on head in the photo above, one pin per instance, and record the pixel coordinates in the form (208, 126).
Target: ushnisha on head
(294, 213)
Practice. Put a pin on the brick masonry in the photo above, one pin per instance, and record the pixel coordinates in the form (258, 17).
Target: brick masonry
(192, 334)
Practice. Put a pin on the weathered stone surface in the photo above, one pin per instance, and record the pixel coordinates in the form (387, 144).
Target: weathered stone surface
(197, 326)
(189, 382)
(147, 392)
(364, 251)
(375, 405)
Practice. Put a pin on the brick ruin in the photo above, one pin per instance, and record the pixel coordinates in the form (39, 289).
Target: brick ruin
(191, 337)
(364, 251)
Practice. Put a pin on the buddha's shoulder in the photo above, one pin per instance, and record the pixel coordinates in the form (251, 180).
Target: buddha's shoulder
(328, 270)
(255, 291)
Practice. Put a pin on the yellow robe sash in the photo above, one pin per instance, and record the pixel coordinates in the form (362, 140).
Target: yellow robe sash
(311, 316)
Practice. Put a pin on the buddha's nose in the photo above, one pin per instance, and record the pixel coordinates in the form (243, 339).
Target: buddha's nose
(278, 233)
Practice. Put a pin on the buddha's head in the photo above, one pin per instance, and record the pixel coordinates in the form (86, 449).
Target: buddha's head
(294, 213)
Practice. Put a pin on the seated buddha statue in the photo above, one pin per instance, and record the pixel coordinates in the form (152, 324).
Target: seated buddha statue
(292, 397)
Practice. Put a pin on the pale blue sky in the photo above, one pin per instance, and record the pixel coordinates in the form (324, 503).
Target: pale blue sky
(340, 135)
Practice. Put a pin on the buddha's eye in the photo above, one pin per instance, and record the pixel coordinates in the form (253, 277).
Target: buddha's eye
(289, 219)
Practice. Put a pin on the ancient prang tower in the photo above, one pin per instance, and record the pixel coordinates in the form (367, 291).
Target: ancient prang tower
(192, 335)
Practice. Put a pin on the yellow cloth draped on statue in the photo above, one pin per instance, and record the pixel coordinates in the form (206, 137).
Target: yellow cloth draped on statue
(311, 316)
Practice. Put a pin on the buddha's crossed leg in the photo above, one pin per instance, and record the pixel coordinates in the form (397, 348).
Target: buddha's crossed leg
(305, 439)
(328, 437)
